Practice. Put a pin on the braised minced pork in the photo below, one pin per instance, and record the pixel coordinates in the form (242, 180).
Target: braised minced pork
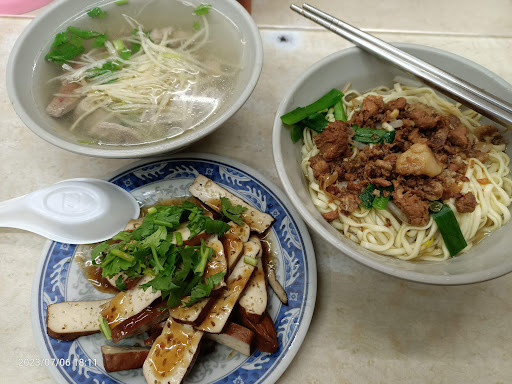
(444, 137)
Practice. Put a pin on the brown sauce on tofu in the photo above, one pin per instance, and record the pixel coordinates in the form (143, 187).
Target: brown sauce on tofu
(92, 272)
(173, 349)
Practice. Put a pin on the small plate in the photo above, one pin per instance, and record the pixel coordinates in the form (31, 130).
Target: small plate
(58, 278)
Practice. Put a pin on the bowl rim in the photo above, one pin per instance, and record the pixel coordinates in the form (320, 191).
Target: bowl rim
(460, 279)
(152, 149)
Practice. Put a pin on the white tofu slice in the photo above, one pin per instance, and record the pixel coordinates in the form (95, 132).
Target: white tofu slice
(185, 232)
(241, 231)
(233, 241)
(71, 319)
(254, 297)
(173, 353)
(196, 313)
(236, 337)
(128, 303)
(134, 224)
(218, 316)
(210, 193)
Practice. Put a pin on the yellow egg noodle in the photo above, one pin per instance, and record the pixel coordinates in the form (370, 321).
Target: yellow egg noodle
(401, 240)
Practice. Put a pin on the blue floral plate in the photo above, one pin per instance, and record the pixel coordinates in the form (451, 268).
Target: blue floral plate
(59, 278)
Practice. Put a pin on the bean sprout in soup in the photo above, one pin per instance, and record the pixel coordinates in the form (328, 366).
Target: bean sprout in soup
(142, 72)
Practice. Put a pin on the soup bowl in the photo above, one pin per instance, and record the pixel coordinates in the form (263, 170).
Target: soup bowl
(231, 28)
(490, 258)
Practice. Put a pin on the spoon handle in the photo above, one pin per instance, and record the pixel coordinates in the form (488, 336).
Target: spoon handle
(14, 213)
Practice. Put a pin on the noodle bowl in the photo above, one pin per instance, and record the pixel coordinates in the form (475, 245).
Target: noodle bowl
(383, 230)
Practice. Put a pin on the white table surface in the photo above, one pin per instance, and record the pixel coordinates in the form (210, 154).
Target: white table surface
(367, 327)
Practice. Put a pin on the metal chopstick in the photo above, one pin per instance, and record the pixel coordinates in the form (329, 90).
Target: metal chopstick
(482, 102)
(404, 55)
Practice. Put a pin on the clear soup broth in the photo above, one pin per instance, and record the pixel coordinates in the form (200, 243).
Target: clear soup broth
(184, 73)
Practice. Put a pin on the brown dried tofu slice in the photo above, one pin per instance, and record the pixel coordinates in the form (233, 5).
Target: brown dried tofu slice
(218, 316)
(122, 358)
(254, 297)
(241, 231)
(71, 319)
(210, 193)
(173, 353)
(233, 242)
(218, 264)
(129, 303)
(236, 337)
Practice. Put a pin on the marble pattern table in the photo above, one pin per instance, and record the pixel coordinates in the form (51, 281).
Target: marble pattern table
(367, 327)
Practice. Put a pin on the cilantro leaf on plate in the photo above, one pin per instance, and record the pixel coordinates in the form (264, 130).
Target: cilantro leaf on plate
(232, 212)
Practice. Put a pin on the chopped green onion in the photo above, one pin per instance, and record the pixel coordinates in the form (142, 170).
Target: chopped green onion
(381, 202)
(135, 47)
(121, 2)
(296, 133)
(339, 111)
(152, 210)
(204, 253)
(301, 113)
(122, 255)
(202, 9)
(369, 200)
(119, 45)
(99, 41)
(370, 135)
(179, 239)
(196, 25)
(316, 121)
(250, 260)
(82, 33)
(164, 223)
(97, 12)
(104, 328)
(367, 196)
(450, 230)
(125, 54)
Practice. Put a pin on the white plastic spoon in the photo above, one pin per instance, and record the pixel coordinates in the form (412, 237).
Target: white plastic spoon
(75, 211)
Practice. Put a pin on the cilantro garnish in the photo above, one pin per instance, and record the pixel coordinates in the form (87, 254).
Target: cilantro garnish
(120, 284)
(155, 249)
(107, 67)
(230, 211)
(204, 290)
(68, 45)
(97, 13)
(196, 25)
(202, 9)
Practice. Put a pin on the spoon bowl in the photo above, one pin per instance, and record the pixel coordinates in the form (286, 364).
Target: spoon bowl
(75, 211)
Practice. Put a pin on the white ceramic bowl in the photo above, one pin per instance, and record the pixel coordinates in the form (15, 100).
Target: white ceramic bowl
(489, 259)
(27, 61)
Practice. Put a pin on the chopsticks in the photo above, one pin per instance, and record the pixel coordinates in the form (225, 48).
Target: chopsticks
(476, 98)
